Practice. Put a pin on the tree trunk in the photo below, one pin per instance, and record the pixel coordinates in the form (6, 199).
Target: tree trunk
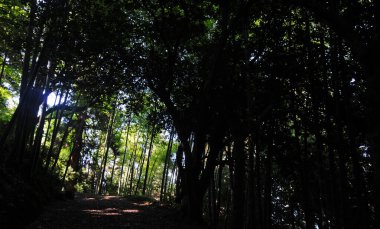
(56, 126)
(268, 186)
(122, 164)
(28, 48)
(38, 139)
(131, 162)
(168, 152)
(3, 67)
(238, 195)
(113, 168)
(180, 177)
(75, 154)
(49, 123)
(151, 176)
(141, 162)
(108, 142)
(148, 160)
(63, 140)
(95, 166)
(219, 189)
(132, 166)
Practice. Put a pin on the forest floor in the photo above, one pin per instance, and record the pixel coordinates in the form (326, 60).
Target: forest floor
(90, 211)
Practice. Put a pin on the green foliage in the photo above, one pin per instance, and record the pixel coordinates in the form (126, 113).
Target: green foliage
(5, 112)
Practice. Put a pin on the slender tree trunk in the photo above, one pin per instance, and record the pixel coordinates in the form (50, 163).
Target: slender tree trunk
(219, 190)
(148, 160)
(212, 202)
(172, 183)
(123, 162)
(75, 155)
(151, 177)
(258, 198)
(28, 47)
(56, 126)
(268, 187)
(66, 169)
(132, 167)
(141, 162)
(113, 168)
(251, 211)
(168, 152)
(95, 166)
(3, 67)
(309, 217)
(239, 184)
(166, 181)
(131, 162)
(179, 182)
(63, 140)
(49, 123)
(108, 141)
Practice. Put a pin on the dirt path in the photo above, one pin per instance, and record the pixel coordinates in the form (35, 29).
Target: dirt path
(107, 212)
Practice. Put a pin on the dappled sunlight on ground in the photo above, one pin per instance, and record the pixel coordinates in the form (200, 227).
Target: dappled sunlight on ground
(110, 197)
(146, 203)
(131, 211)
(101, 213)
(91, 211)
(110, 211)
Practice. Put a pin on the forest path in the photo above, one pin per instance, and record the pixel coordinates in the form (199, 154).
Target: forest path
(90, 211)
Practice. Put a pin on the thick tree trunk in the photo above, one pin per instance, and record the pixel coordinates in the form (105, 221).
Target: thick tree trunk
(41, 123)
(25, 124)
(194, 204)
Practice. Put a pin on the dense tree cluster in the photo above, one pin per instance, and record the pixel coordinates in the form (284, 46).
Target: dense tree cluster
(271, 107)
